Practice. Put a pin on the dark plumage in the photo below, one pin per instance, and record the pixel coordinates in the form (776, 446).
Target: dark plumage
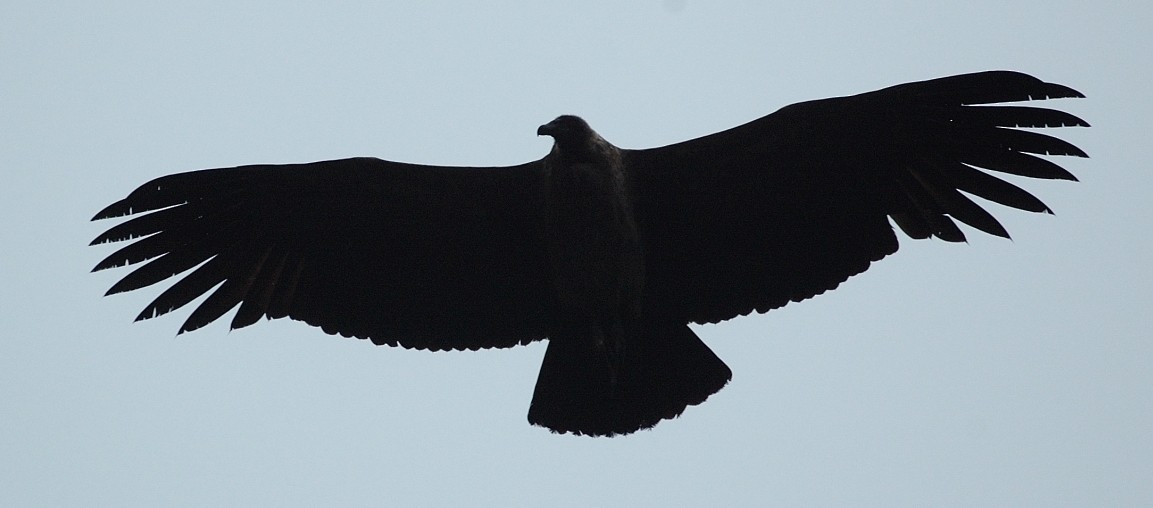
(609, 253)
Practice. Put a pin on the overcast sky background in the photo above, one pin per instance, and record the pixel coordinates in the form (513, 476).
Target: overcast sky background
(998, 373)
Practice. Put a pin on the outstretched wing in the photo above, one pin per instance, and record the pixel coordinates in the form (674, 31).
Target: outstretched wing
(790, 205)
(417, 256)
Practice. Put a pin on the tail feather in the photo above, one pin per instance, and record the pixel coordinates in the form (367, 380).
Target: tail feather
(663, 370)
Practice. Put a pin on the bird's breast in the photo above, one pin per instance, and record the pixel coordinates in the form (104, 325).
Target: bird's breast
(593, 242)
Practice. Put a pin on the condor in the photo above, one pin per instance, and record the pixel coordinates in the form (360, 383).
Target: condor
(608, 253)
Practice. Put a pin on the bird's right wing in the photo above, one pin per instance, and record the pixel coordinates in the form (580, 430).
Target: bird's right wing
(418, 256)
(790, 205)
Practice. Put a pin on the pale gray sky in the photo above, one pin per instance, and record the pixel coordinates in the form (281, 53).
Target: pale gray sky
(998, 373)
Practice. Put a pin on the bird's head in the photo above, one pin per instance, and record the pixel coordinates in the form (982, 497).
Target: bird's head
(568, 131)
(574, 140)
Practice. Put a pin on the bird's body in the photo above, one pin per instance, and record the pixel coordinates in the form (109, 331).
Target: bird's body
(593, 244)
(608, 253)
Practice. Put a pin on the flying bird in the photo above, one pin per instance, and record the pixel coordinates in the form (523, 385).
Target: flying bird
(608, 253)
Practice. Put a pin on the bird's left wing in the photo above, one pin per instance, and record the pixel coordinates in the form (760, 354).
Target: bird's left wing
(790, 205)
(418, 256)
